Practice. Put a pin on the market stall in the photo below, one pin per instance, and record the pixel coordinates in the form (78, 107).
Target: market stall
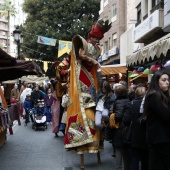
(10, 69)
(114, 73)
(154, 55)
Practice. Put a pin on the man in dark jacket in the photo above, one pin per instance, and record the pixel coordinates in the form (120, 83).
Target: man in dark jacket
(36, 94)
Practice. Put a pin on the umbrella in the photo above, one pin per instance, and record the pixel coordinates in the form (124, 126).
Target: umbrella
(22, 68)
(6, 59)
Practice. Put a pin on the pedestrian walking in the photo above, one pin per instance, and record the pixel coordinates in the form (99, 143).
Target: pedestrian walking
(28, 106)
(55, 114)
(48, 100)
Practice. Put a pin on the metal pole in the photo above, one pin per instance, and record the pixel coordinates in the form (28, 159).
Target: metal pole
(18, 45)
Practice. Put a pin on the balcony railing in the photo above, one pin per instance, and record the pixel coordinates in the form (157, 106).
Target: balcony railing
(160, 5)
(146, 16)
(3, 37)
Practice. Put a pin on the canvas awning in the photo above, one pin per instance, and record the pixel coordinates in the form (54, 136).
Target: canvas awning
(34, 79)
(150, 52)
(113, 69)
(6, 59)
(20, 69)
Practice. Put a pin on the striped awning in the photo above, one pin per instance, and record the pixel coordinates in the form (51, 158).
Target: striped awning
(113, 69)
(150, 52)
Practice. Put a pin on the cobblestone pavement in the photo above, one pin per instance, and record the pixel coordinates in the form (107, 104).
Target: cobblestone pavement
(28, 149)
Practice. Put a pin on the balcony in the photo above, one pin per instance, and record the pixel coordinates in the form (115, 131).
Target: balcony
(2, 28)
(3, 37)
(150, 29)
(160, 5)
(3, 19)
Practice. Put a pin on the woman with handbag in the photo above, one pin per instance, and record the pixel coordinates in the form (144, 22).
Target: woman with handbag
(104, 107)
(157, 113)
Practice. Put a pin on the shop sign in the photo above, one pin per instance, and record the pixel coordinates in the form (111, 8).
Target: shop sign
(147, 25)
(166, 16)
(113, 51)
(100, 59)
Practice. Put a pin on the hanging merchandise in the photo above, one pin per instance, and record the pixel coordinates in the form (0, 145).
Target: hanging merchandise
(134, 73)
(155, 67)
(147, 71)
(140, 69)
(4, 122)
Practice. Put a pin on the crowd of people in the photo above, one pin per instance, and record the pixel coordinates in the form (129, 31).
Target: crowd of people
(31, 96)
(135, 119)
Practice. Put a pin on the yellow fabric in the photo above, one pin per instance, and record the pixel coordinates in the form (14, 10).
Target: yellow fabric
(3, 99)
(85, 140)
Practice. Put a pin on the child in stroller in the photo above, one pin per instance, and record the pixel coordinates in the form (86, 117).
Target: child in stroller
(39, 115)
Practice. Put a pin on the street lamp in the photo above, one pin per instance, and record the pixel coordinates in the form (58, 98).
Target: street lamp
(18, 37)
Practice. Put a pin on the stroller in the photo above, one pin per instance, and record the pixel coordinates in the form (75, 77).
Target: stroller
(39, 116)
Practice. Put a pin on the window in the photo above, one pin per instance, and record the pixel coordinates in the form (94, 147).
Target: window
(4, 42)
(106, 47)
(114, 40)
(154, 3)
(106, 18)
(114, 10)
(105, 2)
(139, 15)
(3, 33)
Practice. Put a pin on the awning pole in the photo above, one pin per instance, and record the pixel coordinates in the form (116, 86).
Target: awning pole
(127, 80)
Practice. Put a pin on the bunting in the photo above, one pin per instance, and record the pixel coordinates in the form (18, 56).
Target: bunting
(64, 47)
(46, 41)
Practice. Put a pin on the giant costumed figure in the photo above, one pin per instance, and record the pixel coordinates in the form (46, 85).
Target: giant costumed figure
(81, 133)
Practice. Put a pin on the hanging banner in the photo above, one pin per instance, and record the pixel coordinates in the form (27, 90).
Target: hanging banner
(46, 41)
(64, 47)
(45, 63)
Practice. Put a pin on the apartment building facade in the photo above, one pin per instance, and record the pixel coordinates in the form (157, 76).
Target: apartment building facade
(7, 27)
(115, 12)
(149, 33)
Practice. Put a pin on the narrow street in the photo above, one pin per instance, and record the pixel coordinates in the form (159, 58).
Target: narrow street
(28, 149)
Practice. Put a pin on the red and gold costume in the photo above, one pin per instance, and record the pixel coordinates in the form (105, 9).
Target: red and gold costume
(81, 133)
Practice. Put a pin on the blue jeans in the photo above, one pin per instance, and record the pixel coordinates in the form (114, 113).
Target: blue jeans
(48, 114)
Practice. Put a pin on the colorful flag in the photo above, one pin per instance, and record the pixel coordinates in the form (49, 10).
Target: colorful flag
(64, 47)
(46, 41)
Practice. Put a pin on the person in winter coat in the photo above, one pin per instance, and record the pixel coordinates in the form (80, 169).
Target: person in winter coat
(24, 93)
(26, 90)
(157, 113)
(36, 95)
(28, 106)
(48, 103)
(122, 110)
(105, 100)
(14, 92)
(138, 148)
